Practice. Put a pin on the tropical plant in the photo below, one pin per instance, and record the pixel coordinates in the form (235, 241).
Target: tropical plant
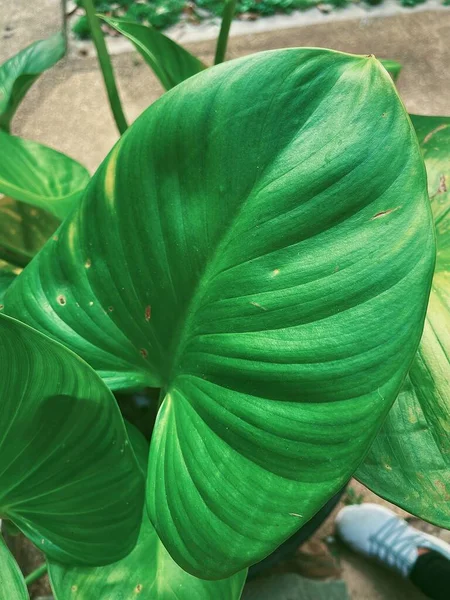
(258, 251)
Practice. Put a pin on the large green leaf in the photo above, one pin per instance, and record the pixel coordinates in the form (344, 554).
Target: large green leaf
(19, 73)
(409, 462)
(170, 62)
(149, 570)
(40, 176)
(12, 583)
(24, 229)
(267, 262)
(68, 478)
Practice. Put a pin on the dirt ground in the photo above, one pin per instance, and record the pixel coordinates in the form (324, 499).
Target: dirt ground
(67, 109)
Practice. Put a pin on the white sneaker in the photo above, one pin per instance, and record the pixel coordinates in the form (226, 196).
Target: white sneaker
(379, 533)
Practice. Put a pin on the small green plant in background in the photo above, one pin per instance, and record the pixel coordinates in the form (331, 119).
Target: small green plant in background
(164, 13)
(264, 261)
(352, 496)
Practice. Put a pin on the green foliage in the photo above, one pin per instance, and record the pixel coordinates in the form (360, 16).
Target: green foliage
(40, 176)
(253, 380)
(164, 13)
(157, 13)
(409, 463)
(81, 28)
(12, 584)
(24, 229)
(170, 62)
(148, 570)
(258, 249)
(19, 73)
(66, 458)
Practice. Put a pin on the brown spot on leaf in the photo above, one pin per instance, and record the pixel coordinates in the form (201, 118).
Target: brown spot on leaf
(148, 312)
(88, 263)
(61, 299)
(384, 213)
(110, 308)
(138, 588)
(258, 305)
(143, 352)
(428, 137)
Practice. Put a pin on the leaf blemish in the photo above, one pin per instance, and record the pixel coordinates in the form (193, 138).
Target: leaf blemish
(74, 588)
(148, 312)
(61, 300)
(143, 352)
(110, 308)
(384, 213)
(428, 137)
(88, 263)
(258, 305)
(295, 515)
(275, 272)
(138, 588)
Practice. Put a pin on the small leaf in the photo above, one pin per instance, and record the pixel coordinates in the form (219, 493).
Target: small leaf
(267, 263)
(409, 462)
(170, 62)
(40, 176)
(392, 67)
(19, 73)
(24, 229)
(68, 478)
(148, 570)
(12, 583)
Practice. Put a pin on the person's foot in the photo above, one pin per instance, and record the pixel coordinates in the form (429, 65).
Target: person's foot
(377, 532)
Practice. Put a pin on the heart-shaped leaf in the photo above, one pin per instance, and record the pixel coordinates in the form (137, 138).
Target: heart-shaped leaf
(267, 262)
(12, 583)
(170, 62)
(409, 462)
(19, 73)
(148, 570)
(39, 175)
(24, 229)
(68, 478)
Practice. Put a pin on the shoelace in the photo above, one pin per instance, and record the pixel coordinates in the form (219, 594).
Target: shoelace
(393, 545)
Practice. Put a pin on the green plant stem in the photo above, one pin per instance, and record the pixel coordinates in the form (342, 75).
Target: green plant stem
(36, 574)
(106, 66)
(222, 40)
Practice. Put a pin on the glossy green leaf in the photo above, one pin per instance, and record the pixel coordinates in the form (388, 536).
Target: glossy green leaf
(148, 570)
(392, 67)
(12, 583)
(267, 262)
(409, 462)
(170, 62)
(24, 229)
(40, 176)
(68, 478)
(19, 73)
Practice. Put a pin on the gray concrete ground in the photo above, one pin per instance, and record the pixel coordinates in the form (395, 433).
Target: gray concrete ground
(67, 109)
